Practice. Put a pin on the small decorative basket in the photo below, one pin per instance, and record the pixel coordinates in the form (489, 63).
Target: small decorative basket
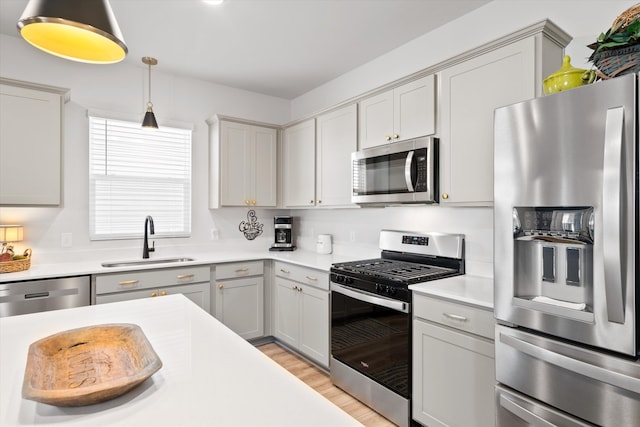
(611, 63)
(17, 265)
(616, 61)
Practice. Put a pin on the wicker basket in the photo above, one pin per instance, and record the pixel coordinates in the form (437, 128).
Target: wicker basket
(622, 60)
(611, 63)
(17, 265)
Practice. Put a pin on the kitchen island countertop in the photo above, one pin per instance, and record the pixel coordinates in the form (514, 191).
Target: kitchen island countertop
(210, 376)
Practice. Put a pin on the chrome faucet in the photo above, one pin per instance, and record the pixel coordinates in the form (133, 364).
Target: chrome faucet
(148, 223)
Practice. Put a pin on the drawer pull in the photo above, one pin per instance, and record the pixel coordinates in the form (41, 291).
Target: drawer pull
(128, 282)
(313, 279)
(185, 277)
(242, 270)
(282, 270)
(455, 317)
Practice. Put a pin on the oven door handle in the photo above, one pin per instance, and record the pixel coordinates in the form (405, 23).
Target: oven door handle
(370, 298)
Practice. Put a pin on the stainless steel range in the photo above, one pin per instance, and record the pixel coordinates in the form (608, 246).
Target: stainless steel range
(371, 316)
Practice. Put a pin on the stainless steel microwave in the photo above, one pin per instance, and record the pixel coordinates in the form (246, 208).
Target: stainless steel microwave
(400, 172)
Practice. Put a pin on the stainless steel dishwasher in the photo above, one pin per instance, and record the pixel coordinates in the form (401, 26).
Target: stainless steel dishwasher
(32, 296)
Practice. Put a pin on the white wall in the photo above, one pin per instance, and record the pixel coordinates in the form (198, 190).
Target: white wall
(121, 88)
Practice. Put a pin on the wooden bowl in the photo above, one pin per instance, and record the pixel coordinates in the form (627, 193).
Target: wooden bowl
(88, 365)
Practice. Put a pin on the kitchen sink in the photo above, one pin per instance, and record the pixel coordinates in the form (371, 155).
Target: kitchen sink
(137, 262)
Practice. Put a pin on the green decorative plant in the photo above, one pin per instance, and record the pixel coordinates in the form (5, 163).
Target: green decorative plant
(617, 36)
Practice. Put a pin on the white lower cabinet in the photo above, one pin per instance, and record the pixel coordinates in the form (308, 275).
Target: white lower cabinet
(301, 310)
(192, 282)
(239, 297)
(453, 364)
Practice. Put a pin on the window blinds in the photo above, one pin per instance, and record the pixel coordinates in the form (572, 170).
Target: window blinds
(135, 172)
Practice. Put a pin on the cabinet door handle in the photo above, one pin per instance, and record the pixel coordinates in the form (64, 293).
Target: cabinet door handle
(396, 136)
(163, 293)
(128, 282)
(284, 271)
(313, 279)
(388, 138)
(445, 196)
(455, 317)
(185, 277)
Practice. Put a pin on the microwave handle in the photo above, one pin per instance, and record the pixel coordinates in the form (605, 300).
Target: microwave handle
(407, 171)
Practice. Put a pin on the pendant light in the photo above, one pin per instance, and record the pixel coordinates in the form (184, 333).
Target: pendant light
(149, 118)
(84, 31)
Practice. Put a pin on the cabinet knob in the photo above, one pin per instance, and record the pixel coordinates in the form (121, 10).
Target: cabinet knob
(396, 136)
(445, 196)
(154, 294)
(318, 201)
(253, 202)
(311, 201)
(163, 293)
(388, 138)
(221, 286)
(247, 202)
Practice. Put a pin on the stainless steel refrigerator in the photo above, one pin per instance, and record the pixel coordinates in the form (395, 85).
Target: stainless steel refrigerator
(567, 292)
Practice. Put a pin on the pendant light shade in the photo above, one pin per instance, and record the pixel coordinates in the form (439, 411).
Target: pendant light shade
(149, 120)
(79, 30)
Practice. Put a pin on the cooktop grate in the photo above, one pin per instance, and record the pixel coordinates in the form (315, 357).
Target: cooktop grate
(399, 271)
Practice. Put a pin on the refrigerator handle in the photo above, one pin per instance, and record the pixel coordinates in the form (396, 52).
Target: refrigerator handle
(612, 209)
(579, 367)
(522, 413)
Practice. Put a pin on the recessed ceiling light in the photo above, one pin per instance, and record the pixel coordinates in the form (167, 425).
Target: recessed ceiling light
(214, 2)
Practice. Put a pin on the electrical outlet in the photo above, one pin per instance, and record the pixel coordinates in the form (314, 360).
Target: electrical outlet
(66, 240)
(215, 234)
(352, 236)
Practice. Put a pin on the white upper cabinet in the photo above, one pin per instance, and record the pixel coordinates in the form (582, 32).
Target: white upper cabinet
(405, 112)
(336, 139)
(31, 118)
(317, 160)
(510, 71)
(243, 161)
(299, 175)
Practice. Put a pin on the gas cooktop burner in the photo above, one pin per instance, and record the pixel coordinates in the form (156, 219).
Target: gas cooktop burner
(395, 270)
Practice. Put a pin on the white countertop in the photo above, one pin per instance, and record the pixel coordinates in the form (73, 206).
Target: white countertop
(210, 376)
(474, 290)
(93, 266)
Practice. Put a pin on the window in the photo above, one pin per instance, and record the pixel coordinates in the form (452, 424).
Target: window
(135, 172)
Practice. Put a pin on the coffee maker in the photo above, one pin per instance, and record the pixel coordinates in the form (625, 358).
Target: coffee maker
(283, 234)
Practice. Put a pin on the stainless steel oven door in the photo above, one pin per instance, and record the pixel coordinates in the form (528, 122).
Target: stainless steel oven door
(371, 334)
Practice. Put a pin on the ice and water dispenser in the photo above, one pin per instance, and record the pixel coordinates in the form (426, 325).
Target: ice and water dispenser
(553, 255)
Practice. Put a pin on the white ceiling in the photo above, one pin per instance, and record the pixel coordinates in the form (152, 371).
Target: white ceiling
(282, 48)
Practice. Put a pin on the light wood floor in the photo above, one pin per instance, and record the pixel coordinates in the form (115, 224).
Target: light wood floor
(320, 381)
